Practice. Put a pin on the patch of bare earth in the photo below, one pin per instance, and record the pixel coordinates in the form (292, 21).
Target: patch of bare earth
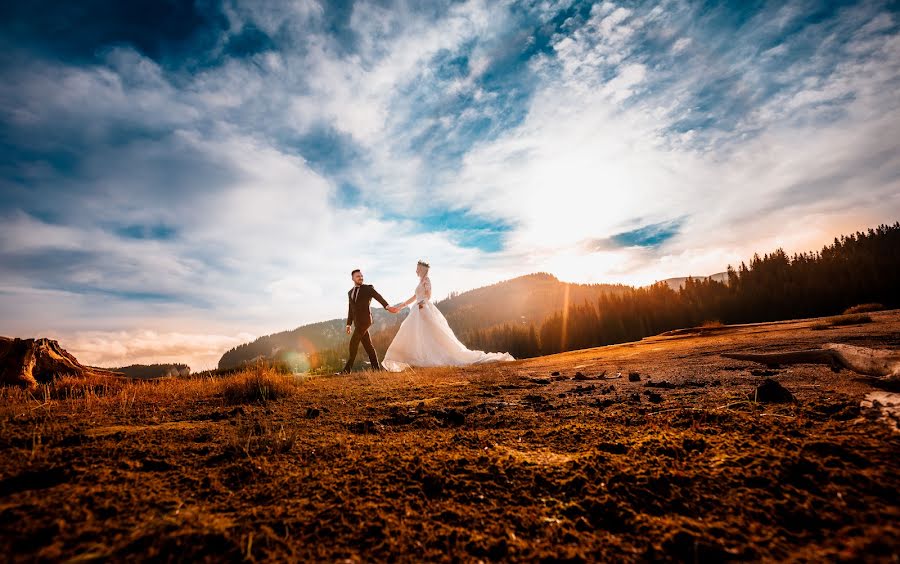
(498, 462)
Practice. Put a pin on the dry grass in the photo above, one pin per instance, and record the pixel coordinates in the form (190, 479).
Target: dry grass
(102, 394)
(863, 308)
(258, 384)
(842, 320)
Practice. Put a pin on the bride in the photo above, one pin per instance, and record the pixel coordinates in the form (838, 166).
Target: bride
(425, 338)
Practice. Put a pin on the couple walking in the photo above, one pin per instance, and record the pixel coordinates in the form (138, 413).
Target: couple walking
(424, 337)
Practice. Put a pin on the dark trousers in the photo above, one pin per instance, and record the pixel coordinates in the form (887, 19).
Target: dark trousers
(357, 337)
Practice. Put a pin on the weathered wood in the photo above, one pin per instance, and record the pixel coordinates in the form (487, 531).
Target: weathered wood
(878, 363)
(28, 362)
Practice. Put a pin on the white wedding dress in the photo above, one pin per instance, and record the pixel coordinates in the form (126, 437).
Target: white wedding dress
(425, 339)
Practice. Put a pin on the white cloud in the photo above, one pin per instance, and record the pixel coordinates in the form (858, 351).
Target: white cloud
(123, 348)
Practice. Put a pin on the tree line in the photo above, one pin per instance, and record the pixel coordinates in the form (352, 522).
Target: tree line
(854, 269)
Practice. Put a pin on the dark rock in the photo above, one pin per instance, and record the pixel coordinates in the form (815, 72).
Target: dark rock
(555, 373)
(604, 403)
(654, 397)
(635, 398)
(584, 389)
(366, 427)
(312, 412)
(660, 384)
(763, 372)
(580, 376)
(634, 377)
(450, 417)
(539, 381)
(771, 391)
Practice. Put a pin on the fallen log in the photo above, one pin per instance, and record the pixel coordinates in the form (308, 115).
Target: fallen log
(878, 363)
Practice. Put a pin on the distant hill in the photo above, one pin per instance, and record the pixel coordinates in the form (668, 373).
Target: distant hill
(678, 283)
(149, 371)
(523, 300)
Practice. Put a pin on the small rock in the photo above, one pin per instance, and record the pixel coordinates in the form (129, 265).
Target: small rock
(539, 381)
(634, 377)
(883, 406)
(451, 417)
(763, 372)
(604, 403)
(555, 373)
(654, 397)
(635, 398)
(660, 384)
(312, 412)
(580, 376)
(367, 427)
(771, 391)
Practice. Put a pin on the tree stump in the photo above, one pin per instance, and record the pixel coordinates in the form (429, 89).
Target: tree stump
(29, 362)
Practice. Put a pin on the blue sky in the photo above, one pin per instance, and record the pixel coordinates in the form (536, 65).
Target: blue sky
(179, 177)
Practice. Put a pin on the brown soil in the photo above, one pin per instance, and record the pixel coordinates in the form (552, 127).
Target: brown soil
(499, 462)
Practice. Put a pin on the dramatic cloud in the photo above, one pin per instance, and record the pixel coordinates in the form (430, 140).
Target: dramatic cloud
(179, 178)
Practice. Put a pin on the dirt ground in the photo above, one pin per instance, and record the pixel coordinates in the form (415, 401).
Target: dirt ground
(515, 461)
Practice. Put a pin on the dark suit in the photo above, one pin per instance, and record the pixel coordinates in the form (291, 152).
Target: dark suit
(360, 316)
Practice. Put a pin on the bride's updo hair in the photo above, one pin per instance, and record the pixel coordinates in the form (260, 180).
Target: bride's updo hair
(423, 263)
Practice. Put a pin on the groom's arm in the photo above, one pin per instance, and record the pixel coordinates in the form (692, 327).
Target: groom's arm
(349, 312)
(380, 300)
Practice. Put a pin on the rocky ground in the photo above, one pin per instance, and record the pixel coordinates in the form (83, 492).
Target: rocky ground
(642, 451)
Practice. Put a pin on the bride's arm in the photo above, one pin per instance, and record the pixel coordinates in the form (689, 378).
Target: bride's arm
(409, 301)
(426, 284)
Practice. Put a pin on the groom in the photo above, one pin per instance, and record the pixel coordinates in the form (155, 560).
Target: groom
(360, 315)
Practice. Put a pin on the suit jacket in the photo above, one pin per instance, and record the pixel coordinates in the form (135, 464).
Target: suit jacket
(358, 312)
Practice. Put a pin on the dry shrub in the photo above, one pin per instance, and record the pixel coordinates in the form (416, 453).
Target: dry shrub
(854, 319)
(840, 320)
(262, 383)
(863, 308)
(712, 324)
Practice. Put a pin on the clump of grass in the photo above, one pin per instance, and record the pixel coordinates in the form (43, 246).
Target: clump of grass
(841, 320)
(79, 387)
(853, 319)
(863, 308)
(262, 383)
